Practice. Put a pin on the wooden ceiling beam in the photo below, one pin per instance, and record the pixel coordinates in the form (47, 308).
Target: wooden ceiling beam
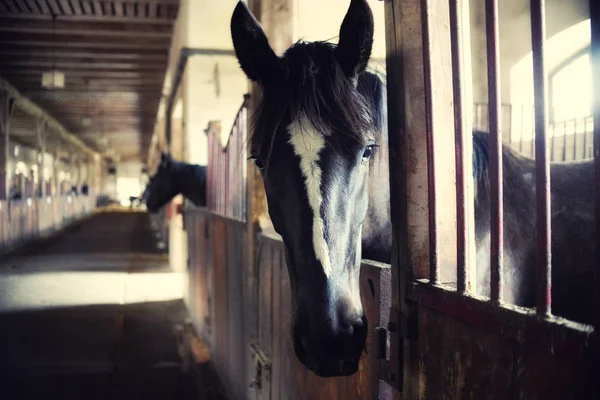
(141, 77)
(34, 82)
(110, 45)
(12, 63)
(95, 27)
(91, 18)
(47, 55)
(66, 34)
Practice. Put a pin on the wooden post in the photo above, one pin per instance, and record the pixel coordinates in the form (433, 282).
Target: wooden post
(41, 144)
(276, 18)
(57, 168)
(6, 107)
(420, 101)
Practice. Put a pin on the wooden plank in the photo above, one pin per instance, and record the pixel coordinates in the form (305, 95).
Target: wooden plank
(86, 8)
(54, 8)
(80, 56)
(39, 42)
(454, 356)
(280, 333)
(7, 64)
(236, 261)
(129, 9)
(76, 6)
(220, 299)
(265, 308)
(102, 74)
(9, 6)
(66, 7)
(117, 7)
(33, 34)
(70, 25)
(35, 52)
(33, 6)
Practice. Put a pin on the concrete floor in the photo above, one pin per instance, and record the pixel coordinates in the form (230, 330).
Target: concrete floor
(92, 313)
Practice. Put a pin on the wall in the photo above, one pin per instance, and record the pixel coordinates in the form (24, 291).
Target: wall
(515, 36)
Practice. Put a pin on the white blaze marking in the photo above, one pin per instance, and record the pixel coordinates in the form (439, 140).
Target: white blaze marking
(307, 144)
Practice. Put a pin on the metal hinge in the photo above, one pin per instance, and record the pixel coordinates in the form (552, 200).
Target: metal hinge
(262, 367)
(389, 347)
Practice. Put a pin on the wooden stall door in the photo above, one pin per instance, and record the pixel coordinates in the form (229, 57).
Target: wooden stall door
(287, 378)
(236, 260)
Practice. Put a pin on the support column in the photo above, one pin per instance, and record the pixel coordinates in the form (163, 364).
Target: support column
(41, 142)
(6, 107)
(56, 168)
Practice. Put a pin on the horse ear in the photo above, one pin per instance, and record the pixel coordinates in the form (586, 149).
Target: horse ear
(256, 57)
(356, 38)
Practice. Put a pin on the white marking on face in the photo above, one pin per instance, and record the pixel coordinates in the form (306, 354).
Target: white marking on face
(308, 144)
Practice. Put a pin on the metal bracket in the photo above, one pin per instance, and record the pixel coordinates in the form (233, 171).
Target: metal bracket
(389, 346)
(262, 367)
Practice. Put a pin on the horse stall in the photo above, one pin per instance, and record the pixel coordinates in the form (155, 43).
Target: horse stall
(431, 334)
(241, 305)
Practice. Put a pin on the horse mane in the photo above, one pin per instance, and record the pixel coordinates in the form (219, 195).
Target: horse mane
(314, 87)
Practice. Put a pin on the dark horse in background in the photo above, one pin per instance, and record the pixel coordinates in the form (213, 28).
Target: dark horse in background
(320, 142)
(172, 178)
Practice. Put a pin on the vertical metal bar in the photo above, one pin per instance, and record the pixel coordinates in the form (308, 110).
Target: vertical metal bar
(509, 123)
(542, 166)
(575, 139)
(495, 138)
(595, 57)
(564, 149)
(522, 128)
(584, 138)
(431, 186)
(532, 150)
(461, 136)
(552, 140)
(5, 129)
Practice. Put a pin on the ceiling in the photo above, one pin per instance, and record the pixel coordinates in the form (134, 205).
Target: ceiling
(113, 54)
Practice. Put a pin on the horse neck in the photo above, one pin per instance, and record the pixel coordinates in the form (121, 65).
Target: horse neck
(189, 181)
(377, 228)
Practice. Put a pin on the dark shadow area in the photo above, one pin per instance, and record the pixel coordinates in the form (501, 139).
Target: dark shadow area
(95, 352)
(105, 232)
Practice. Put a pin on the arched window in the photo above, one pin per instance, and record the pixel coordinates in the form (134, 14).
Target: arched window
(571, 88)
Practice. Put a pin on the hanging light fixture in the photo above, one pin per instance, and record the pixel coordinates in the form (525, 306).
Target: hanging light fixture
(53, 79)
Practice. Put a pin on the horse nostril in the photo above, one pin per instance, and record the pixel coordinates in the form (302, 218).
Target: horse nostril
(351, 327)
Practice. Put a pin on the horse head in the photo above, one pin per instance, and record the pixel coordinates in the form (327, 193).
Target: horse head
(161, 188)
(314, 141)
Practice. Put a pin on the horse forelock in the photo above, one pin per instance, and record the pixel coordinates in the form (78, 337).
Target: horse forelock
(316, 90)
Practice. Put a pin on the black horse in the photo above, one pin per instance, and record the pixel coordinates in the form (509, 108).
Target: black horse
(172, 178)
(320, 142)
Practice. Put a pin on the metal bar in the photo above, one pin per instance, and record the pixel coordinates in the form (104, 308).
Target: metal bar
(542, 166)
(595, 58)
(431, 186)
(532, 149)
(574, 139)
(460, 145)
(495, 138)
(522, 128)
(564, 149)
(584, 138)
(553, 128)
(509, 123)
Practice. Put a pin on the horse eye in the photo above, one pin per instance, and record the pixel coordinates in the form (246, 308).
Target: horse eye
(368, 151)
(258, 164)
